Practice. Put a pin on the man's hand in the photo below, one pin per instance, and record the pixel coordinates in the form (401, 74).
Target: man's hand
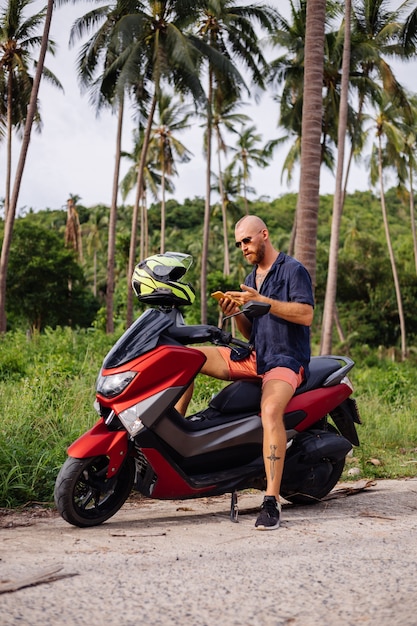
(228, 306)
(295, 312)
(243, 296)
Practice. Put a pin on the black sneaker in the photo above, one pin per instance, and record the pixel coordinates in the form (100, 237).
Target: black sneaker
(268, 518)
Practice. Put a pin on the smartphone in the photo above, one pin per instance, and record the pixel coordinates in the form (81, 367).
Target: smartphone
(217, 295)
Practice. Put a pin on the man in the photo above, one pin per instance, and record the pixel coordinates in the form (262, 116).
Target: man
(282, 346)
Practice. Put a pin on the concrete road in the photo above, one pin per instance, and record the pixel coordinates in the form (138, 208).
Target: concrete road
(350, 560)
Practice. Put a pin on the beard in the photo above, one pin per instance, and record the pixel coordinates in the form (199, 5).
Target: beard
(259, 254)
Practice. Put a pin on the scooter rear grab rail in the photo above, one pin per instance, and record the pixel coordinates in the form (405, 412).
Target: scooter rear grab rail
(336, 377)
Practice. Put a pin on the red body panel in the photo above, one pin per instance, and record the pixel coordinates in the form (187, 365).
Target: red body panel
(172, 367)
(317, 403)
(100, 441)
(163, 368)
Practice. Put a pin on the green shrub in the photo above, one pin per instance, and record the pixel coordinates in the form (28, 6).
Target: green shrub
(47, 392)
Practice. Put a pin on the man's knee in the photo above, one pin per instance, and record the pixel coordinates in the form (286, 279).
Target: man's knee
(275, 398)
(215, 365)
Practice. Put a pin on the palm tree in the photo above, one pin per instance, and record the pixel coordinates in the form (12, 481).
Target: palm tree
(246, 154)
(165, 148)
(151, 182)
(376, 31)
(18, 37)
(73, 236)
(224, 118)
(387, 152)
(151, 177)
(98, 218)
(409, 32)
(331, 287)
(229, 31)
(410, 147)
(158, 48)
(97, 55)
(308, 200)
(286, 74)
(377, 34)
(29, 119)
(406, 162)
(287, 71)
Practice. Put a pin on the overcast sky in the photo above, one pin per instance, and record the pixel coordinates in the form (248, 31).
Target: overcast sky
(74, 153)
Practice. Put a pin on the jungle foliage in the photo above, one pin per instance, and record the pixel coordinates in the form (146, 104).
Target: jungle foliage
(49, 286)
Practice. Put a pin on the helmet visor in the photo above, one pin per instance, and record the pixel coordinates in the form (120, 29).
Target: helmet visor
(185, 259)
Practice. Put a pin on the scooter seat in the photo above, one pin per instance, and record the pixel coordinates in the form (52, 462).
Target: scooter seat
(242, 395)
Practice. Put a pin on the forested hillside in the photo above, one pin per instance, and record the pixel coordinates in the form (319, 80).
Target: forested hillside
(56, 280)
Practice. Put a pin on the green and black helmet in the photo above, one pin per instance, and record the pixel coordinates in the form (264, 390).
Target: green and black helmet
(156, 280)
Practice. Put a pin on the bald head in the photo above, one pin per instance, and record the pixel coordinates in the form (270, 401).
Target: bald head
(251, 222)
(252, 238)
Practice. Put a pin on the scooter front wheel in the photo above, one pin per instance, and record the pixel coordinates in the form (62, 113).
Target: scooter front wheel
(83, 494)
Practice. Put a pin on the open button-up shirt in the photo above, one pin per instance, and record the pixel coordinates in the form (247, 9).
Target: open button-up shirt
(279, 343)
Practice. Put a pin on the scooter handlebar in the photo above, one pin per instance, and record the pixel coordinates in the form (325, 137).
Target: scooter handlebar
(223, 338)
(204, 333)
(240, 343)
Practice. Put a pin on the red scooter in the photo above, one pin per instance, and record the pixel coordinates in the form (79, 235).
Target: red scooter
(141, 441)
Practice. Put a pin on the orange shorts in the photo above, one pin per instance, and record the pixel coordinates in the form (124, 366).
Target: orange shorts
(247, 369)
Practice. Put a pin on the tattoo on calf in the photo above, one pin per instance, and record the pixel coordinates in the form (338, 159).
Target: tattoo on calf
(272, 458)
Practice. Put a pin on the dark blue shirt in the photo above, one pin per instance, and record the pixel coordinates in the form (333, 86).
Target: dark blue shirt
(279, 343)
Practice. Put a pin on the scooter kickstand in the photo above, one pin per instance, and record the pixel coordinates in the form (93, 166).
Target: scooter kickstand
(234, 508)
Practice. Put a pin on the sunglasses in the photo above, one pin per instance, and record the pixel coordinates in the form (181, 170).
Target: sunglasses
(246, 240)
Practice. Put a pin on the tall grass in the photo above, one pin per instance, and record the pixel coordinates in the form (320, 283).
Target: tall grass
(46, 396)
(387, 398)
(47, 392)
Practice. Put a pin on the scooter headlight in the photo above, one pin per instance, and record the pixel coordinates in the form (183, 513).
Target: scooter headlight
(113, 384)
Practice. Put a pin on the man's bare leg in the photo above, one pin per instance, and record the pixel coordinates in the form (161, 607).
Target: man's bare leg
(275, 396)
(215, 366)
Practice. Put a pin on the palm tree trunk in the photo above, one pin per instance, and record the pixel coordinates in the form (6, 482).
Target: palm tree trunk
(11, 213)
(338, 325)
(391, 255)
(142, 241)
(245, 198)
(162, 247)
(331, 288)
(135, 215)
(308, 200)
(207, 208)
(291, 243)
(413, 217)
(95, 273)
(226, 261)
(9, 144)
(111, 245)
(359, 118)
(145, 225)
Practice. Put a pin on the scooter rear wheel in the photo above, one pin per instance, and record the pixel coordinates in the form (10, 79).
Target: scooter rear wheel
(84, 496)
(314, 489)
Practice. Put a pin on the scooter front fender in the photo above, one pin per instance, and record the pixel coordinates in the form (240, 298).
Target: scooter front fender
(98, 441)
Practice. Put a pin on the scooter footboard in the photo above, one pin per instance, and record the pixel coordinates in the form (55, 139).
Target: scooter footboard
(99, 441)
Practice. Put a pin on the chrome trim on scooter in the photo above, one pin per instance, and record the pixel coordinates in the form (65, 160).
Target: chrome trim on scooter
(110, 418)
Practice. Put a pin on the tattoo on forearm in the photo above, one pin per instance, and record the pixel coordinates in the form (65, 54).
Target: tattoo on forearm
(272, 458)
